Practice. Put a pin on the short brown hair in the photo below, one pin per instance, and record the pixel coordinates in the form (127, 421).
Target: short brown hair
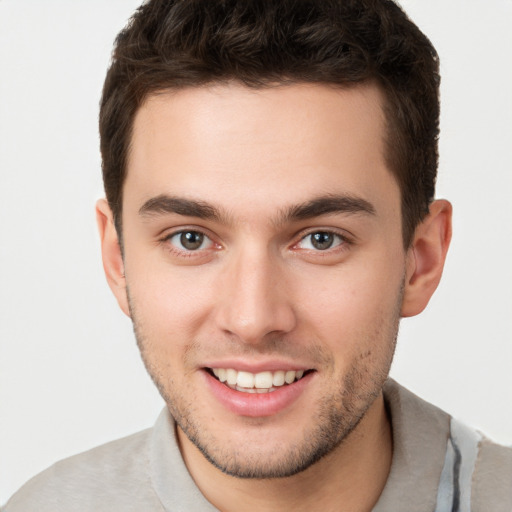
(172, 44)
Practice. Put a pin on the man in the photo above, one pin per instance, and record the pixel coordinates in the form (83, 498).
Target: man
(269, 172)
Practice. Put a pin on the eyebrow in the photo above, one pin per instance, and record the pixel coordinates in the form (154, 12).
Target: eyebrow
(323, 205)
(164, 204)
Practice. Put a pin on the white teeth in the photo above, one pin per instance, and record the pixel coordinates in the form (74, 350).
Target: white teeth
(278, 378)
(245, 380)
(246, 390)
(289, 376)
(231, 376)
(263, 380)
(256, 382)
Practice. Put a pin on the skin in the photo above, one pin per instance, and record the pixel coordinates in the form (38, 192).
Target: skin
(257, 292)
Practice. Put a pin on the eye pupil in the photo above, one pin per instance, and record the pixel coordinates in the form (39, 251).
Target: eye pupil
(191, 240)
(322, 240)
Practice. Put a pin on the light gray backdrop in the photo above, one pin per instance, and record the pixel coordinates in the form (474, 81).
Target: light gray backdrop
(70, 374)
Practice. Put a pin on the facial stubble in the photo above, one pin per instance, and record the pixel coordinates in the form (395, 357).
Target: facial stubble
(338, 413)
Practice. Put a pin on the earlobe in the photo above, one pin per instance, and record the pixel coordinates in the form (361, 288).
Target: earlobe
(426, 258)
(113, 264)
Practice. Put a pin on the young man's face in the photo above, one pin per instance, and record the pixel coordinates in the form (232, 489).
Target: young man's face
(262, 242)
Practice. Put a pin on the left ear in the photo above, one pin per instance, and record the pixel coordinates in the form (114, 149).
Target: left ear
(426, 257)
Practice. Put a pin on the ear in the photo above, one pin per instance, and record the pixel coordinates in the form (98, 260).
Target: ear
(111, 254)
(426, 257)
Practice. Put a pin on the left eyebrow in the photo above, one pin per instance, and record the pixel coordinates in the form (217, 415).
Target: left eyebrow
(328, 204)
(164, 204)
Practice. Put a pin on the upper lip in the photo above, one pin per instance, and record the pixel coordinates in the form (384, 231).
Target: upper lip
(257, 367)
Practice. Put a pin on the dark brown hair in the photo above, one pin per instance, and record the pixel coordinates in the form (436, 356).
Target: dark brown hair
(170, 44)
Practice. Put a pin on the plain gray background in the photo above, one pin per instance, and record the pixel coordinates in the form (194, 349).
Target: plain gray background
(70, 373)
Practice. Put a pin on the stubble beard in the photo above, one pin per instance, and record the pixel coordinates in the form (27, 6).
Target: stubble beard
(338, 414)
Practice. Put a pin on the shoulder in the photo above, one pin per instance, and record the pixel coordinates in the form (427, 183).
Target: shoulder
(463, 465)
(492, 478)
(114, 476)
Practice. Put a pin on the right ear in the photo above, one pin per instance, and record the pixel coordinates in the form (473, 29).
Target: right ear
(113, 263)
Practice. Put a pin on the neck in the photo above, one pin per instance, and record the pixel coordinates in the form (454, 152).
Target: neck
(350, 478)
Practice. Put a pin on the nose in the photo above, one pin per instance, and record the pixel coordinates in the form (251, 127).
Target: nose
(254, 301)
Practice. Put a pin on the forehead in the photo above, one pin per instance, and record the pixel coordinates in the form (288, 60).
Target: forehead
(269, 146)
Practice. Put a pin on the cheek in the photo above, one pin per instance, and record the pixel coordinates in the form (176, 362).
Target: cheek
(349, 289)
(169, 300)
(353, 303)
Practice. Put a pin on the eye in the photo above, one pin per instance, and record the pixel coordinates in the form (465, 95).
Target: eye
(190, 240)
(320, 241)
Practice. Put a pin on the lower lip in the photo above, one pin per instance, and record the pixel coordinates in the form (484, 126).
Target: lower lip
(257, 404)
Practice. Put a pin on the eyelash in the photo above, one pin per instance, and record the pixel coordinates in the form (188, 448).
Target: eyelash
(183, 252)
(341, 239)
(344, 242)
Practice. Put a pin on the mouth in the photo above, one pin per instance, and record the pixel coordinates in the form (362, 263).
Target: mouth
(262, 382)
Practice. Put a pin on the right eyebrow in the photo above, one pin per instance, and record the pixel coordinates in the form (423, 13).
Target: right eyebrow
(164, 204)
(329, 204)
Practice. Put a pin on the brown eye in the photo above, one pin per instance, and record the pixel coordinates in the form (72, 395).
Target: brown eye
(190, 240)
(322, 240)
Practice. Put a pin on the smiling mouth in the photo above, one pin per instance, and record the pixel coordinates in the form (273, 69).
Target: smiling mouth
(263, 382)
